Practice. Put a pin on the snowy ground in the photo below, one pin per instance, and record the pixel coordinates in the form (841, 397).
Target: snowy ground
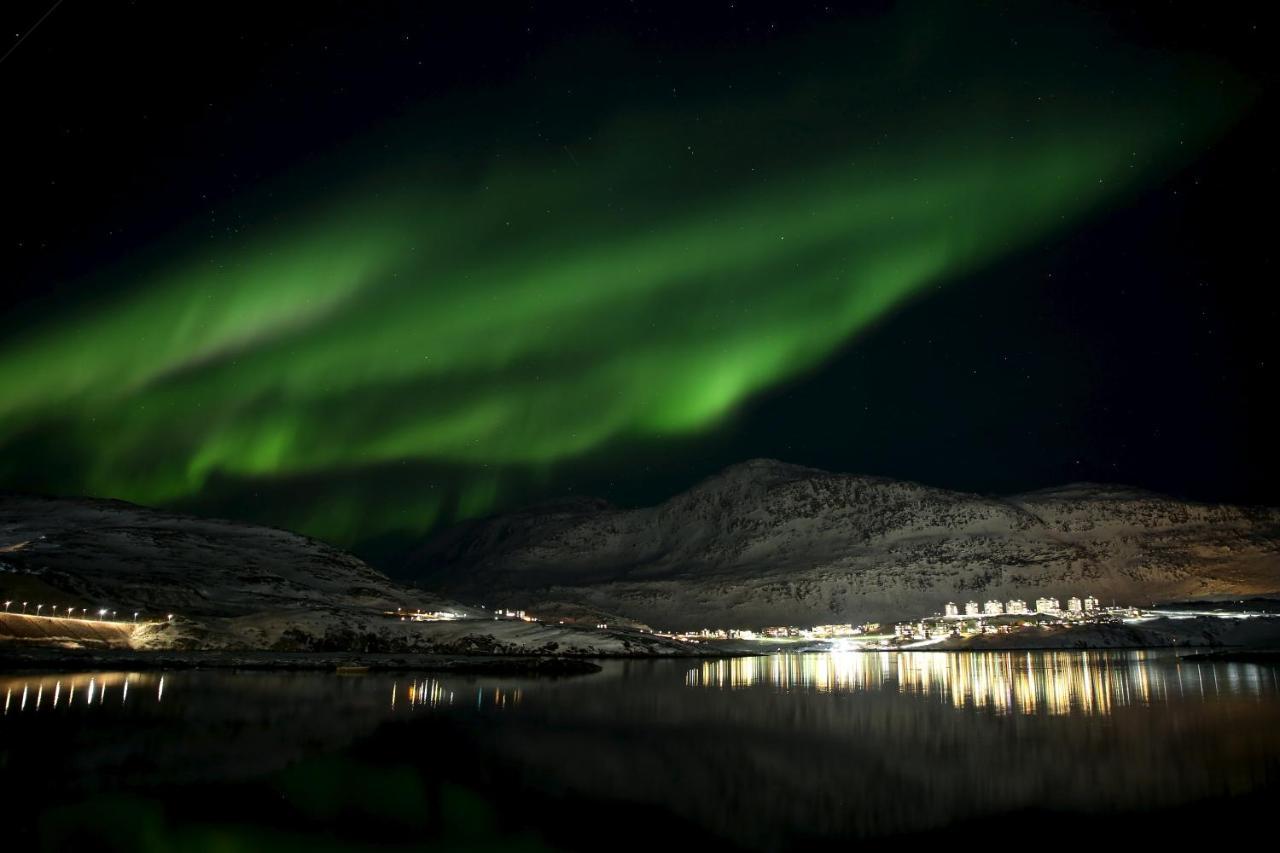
(1199, 631)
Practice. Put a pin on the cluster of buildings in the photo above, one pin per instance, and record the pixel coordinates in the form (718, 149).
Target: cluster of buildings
(426, 615)
(417, 615)
(1018, 607)
(778, 632)
(997, 617)
(956, 620)
(822, 632)
(711, 634)
(503, 613)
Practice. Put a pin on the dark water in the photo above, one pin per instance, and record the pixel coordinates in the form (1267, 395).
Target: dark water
(759, 753)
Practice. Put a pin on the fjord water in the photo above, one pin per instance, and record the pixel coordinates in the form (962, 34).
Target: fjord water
(757, 753)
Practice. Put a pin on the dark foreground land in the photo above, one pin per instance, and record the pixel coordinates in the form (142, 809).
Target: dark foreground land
(75, 660)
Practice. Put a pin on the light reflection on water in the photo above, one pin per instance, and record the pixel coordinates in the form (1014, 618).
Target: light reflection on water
(432, 693)
(761, 752)
(93, 691)
(1053, 683)
(1003, 682)
(87, 690)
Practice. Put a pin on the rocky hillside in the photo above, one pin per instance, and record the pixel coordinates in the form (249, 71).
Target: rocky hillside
(129, 557)
(765, 542)
(239, 586)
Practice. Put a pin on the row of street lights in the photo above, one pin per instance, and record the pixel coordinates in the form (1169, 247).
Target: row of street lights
(71, 612)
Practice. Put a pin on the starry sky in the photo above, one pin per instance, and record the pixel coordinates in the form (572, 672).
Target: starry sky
(372, 270)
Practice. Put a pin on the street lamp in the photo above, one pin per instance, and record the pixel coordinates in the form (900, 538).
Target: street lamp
(170, 617)
(135, 616)
(39, 607)
(102, 611)
(6, 606)
(24, 607)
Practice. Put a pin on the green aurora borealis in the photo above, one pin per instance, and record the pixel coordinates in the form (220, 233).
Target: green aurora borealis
(499, 309)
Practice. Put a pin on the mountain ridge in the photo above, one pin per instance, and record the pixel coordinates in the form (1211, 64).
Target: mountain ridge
(235, 586)
(764, 541)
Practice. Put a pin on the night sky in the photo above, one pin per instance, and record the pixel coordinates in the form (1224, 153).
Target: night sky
(362, 270)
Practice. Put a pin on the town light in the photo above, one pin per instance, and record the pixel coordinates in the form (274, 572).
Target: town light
(6, 606)
(135, 616)
(39, 607)
(170, 617)
(24, 607)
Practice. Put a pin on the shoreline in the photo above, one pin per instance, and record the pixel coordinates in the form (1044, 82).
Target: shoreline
(64, 660)
(1133, 647)
(71, 660)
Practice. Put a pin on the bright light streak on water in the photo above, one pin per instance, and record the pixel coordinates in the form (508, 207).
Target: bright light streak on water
(432, 693)
(1001, 682)
(94, 687)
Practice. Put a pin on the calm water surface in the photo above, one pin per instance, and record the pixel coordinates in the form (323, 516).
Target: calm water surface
(758, 753)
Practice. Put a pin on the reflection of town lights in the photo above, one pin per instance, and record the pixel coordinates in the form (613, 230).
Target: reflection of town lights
(1050, 683)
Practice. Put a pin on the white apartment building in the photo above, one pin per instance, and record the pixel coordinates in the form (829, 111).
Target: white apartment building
(1047, 605)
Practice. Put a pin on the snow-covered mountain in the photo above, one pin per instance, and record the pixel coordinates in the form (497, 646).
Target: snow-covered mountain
(765, 542)
(237, 586)
(131, 557)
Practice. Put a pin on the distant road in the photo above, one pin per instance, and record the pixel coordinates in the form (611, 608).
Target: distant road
(47, 630)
